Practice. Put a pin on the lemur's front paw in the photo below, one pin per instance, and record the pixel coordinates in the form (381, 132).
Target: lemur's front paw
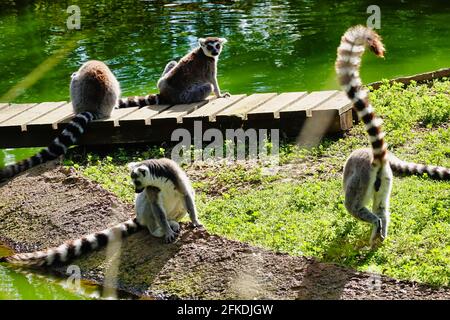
(170, 236)
(225, 95)
(197, 224)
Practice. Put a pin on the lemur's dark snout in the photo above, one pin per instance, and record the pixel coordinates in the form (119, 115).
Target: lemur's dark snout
(215, 53)
(138, 189)
(137, 185)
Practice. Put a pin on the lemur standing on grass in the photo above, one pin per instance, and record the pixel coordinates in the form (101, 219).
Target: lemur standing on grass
(94, 91)
(168, 196)
(189, 80)
(368, 172)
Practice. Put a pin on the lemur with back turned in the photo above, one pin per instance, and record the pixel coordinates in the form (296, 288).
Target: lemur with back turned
(94, 91)
(192, 79)
(368, 172)
(164, 196)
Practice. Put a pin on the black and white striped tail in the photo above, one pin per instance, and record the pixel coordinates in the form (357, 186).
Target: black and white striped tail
(148, 100)
(348, 62)
(68, 137)
(410, 168)
(74, 248)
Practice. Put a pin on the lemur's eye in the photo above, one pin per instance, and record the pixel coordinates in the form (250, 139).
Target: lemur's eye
(209, 47)
(218, 46)
(142, 171)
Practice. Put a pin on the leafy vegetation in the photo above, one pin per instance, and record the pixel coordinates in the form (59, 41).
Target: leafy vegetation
(299, 209)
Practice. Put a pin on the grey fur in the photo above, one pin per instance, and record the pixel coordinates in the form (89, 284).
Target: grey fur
(194, 77)
(190, 80)
(94, 91)
(168, 196)
(94, 88)
(367, 175)
(168, 67)
(360, 177)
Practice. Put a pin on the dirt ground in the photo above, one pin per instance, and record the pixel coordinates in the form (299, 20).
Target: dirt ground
(49, 204)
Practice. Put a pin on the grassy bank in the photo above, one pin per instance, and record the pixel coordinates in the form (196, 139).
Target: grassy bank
(299, 209)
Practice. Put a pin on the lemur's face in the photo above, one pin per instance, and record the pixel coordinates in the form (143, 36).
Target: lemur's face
(212, 46)
(139, 174)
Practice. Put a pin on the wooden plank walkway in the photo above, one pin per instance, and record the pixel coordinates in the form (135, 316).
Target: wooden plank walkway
(36, 124)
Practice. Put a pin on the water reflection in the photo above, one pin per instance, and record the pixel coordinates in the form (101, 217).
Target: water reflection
(273, 45)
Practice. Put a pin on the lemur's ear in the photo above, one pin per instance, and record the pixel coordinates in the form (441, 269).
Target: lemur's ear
(201, 41)
(223, 40)
(132, 165)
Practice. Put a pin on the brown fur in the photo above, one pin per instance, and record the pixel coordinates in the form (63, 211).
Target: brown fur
(192, 79)
(195, 63)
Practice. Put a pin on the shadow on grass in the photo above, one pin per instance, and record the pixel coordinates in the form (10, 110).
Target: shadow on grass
(331, 275)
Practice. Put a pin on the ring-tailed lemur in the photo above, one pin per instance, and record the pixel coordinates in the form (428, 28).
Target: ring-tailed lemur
(188, 80)
(368, 172)
(74, 248)
(168, 196)
(94, 91)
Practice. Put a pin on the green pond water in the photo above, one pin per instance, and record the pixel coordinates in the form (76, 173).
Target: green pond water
(20, 284)
(274, 46)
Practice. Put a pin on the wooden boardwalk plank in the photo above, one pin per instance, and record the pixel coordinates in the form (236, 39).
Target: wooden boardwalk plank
(339, 102)
(115, 117)
(175, 113)
(307, 103)
(112, 121)
(143, 115)
(270, 109)
(294, 113)
(337, 111)
(35, 112)
(52, 118)
(14, 110)
(208, 112)
(240, 109)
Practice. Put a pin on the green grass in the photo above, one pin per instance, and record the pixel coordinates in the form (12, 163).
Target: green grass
(299, 210)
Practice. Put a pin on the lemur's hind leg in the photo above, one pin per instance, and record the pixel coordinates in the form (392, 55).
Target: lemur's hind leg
(364, 214)
(159, 214)
(190, 206)
(196, 93)
(355, 204)
(174, 225)
(169, 67)
(381, 199)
